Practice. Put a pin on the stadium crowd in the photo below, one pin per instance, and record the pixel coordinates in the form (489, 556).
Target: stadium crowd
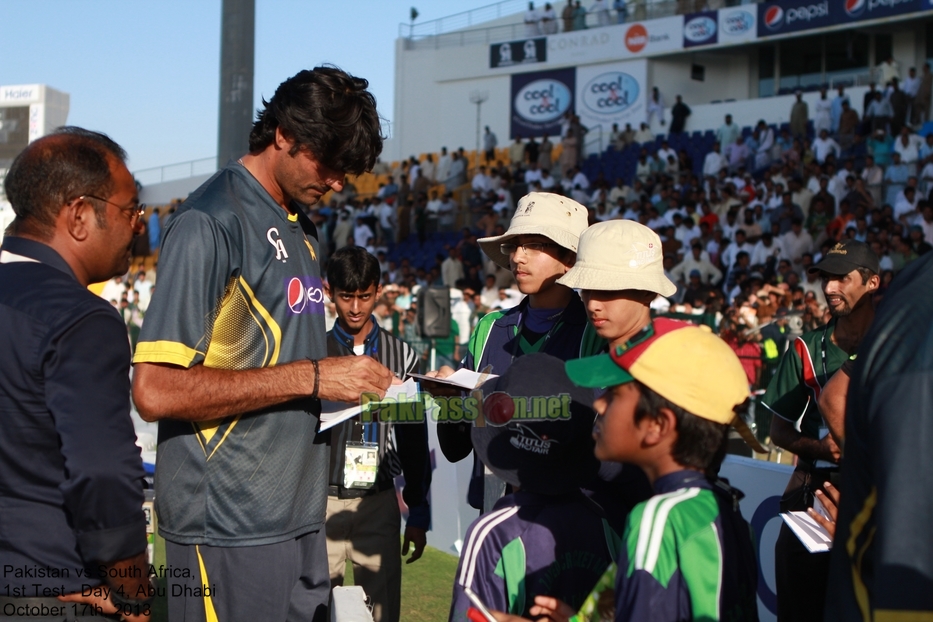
(738, 229)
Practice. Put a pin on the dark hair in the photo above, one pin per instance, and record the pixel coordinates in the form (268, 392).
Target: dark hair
(327, 111)
(56, 169)
(866, 274)
(701, 443)
(352, 269)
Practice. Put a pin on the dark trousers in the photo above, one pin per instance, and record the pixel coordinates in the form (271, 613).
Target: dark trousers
(275, 582)
(800, 576)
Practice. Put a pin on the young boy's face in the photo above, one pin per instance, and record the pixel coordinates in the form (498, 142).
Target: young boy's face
(616, 315)
(354, 308)
(618, 437)
(536, 270)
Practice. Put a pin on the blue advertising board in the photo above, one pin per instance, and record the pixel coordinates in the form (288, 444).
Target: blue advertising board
(785, 16)
(539, 101)
(701, 29)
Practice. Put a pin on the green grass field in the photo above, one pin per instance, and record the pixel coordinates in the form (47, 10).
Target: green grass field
(426, 587)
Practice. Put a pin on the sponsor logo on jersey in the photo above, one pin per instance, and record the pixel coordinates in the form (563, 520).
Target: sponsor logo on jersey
(611, 93)
(527, 440)
(272, 235)
(305, 294)
(699, 29)
(636, 38)
(543, 100)
(738, 23)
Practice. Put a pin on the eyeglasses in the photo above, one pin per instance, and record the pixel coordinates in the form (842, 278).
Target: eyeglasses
(530, 248)
(136, 210)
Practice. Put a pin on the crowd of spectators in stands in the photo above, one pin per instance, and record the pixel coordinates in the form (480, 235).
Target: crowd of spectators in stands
(738, 230)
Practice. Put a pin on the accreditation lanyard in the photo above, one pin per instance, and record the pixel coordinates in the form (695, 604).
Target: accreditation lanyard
(370, 348)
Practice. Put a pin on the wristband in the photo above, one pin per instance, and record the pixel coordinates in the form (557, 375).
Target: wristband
(317, 378)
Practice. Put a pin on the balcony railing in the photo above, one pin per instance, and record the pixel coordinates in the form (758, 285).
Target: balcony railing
(457, 30)
(181, 170)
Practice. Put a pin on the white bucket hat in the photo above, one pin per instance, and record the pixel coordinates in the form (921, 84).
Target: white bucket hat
(558, 218)
(619, 254)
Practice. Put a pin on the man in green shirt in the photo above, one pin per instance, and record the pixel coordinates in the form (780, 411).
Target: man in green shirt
(849, 274)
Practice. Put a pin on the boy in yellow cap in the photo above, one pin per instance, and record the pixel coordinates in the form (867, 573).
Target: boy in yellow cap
(687, 552)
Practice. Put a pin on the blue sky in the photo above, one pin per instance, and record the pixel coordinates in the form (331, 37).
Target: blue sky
(146, 72)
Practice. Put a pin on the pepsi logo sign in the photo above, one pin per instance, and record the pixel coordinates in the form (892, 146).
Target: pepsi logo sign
(774, 17)
(700, 29)
(304, 295)
(636, 38)
(854, 8)
(611, 93)
(738, 23)
(542, 100)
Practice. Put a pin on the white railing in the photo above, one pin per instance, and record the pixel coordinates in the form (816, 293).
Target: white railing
(181, 170)
(457, 31)
(459, 21)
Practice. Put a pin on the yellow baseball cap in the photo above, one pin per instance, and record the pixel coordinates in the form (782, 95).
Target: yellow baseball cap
(685, 364)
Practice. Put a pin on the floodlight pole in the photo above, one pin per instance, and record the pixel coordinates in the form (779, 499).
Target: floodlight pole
(478, 97)
(237, 60)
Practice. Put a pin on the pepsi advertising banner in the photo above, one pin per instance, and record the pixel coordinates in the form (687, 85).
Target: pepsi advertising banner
(701, 29)
(518, 52)
(786, 16)
(539, 100)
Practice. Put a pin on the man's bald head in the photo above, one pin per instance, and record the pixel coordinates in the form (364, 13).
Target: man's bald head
(55, 169)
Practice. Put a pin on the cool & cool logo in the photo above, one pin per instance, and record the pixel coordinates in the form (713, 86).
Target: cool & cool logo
(699, 29)
(610, 93)
(738, 23)
(542, 100)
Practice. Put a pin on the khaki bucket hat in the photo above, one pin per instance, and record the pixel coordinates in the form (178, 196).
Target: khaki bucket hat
(558, 218)
(619, 254)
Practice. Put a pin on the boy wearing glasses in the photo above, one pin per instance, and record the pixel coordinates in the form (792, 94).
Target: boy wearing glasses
(539, 247)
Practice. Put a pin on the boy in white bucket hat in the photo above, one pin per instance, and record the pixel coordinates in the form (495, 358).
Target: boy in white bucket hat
(619, 272)
(539, 247)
